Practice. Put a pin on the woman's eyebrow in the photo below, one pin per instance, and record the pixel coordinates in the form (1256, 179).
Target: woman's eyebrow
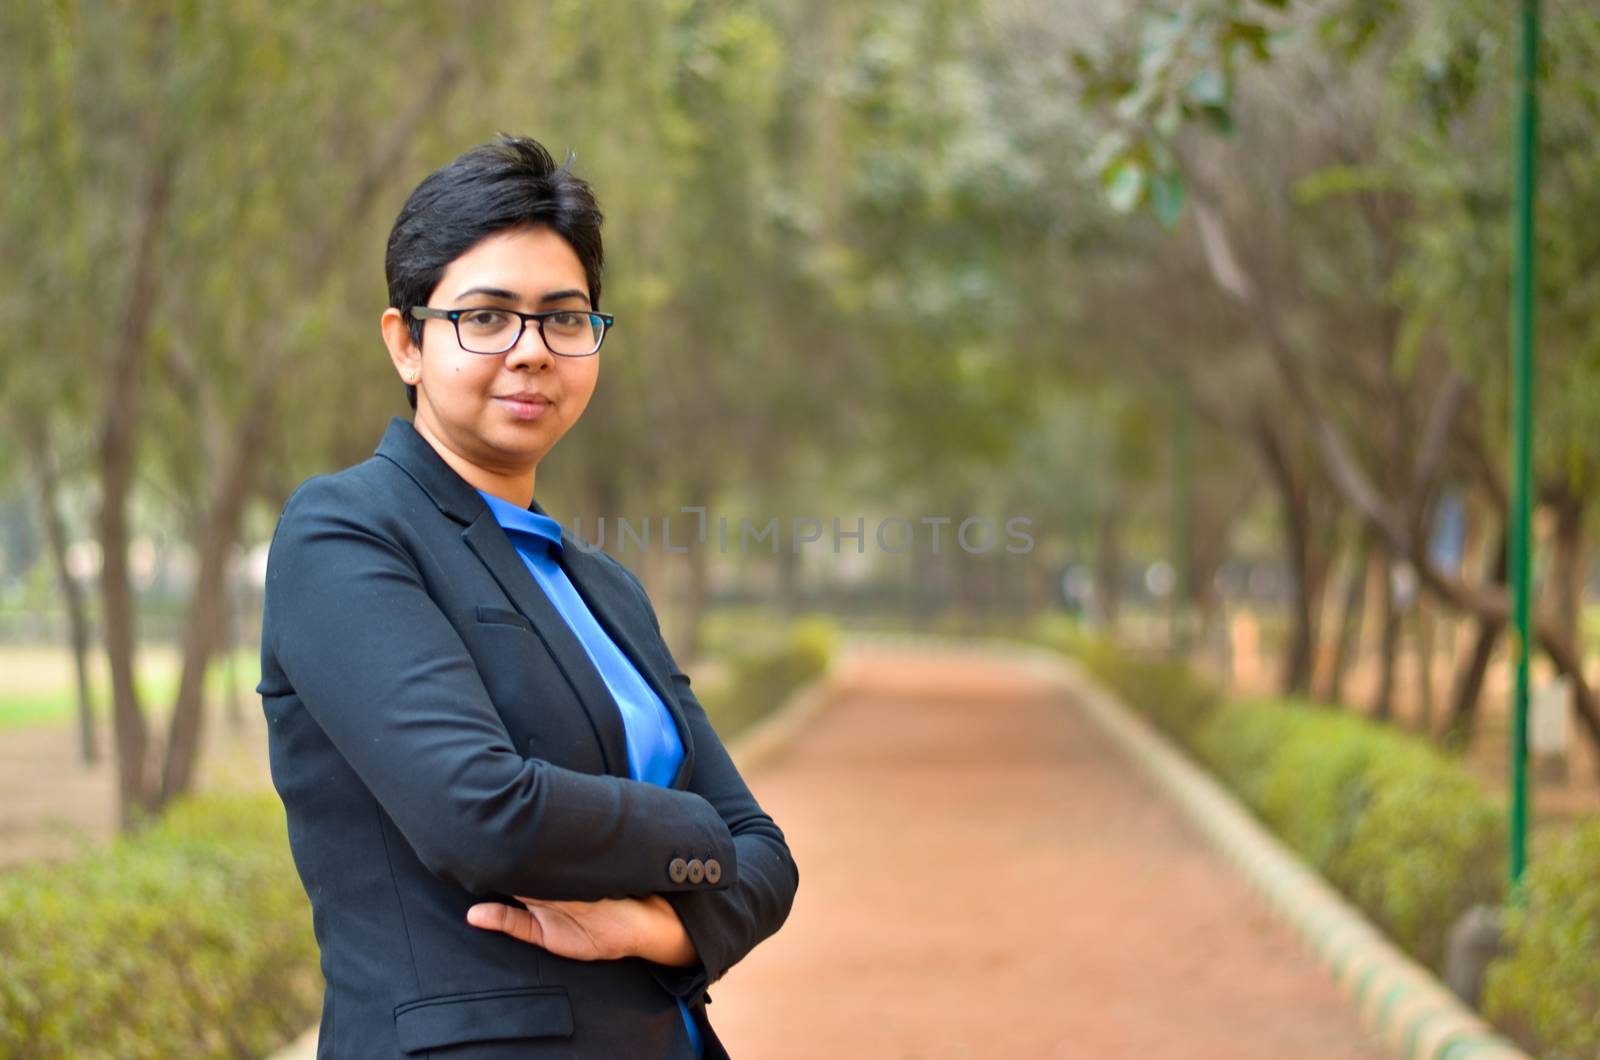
(511, 296)
(571, 292)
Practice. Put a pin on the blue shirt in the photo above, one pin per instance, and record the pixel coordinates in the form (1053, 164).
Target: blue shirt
(654, 748)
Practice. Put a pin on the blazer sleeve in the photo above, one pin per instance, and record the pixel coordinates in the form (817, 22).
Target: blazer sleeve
(724, 924)
(382, 671)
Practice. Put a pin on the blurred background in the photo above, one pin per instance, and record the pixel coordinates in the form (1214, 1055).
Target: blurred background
(1172, 336)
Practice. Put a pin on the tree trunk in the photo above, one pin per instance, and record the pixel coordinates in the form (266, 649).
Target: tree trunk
(1294, 501)
(1389, 646)
(208, 604)
(233, 704)
(118, 443)
(1298, 657)
(1568, 661)
(1350, 619)
(1467, 689)
(1568, 568)
(1423, 630)
(46, 487)
(1209, 548)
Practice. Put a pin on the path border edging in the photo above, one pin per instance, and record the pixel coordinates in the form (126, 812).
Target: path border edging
(770, 736)
(1398, 999)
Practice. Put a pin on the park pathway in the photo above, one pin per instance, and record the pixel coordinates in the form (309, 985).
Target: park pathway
(983, 875)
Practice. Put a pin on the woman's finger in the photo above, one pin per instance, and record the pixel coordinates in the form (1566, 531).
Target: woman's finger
(586, 930)
(518, 923)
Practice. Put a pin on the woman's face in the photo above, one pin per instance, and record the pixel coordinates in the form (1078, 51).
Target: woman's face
(498, 413)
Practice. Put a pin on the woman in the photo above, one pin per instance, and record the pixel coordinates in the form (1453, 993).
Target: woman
(519, 833)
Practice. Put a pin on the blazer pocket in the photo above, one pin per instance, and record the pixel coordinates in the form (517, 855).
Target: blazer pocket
(485, 1016)
(499, 616)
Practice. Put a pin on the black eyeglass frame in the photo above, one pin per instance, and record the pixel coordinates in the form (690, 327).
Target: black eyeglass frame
(423, 312)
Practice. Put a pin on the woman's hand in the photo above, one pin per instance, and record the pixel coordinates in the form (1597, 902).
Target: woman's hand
(593, 931)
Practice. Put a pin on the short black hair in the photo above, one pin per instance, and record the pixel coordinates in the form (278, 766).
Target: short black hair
(510, 182)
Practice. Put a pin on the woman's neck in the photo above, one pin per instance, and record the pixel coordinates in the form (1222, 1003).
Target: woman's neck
(514, 487)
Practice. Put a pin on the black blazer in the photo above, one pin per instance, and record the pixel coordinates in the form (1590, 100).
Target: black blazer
(438, 735)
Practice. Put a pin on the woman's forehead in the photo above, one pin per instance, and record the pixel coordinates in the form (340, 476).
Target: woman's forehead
(533, 265)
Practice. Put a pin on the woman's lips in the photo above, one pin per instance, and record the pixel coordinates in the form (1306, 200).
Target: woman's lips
(525, 408)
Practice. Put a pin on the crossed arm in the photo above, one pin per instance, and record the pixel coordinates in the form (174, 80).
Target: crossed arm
(664, 928)
(604, 929)
(387, 678)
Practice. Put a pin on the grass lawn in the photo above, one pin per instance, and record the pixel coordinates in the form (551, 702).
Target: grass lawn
(38, 686)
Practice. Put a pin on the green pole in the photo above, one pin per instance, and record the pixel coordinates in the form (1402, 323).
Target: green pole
(1522, 331)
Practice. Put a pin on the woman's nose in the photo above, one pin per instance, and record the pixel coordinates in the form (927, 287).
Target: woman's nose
(529, 348)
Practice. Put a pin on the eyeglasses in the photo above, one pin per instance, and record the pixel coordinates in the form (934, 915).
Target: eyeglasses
(565, 332)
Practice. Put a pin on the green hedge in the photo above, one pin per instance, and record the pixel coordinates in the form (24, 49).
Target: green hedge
(1429, 847)
(1548, 986)
(1404, 831)
(1164, 690)
(192, 938)
(1400, 828)
(762, 674)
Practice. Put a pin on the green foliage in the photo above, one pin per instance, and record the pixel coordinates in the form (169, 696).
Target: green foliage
(1240, 743)
(1452, 81)
(1314, 790)
(1402, 830)
(1422, 182)
(762, 675)
(1184, 69)
(1429, 846)
(1062, 633)
(192, 938)
(1162, 70)
(1549, 981)
(1167, 692)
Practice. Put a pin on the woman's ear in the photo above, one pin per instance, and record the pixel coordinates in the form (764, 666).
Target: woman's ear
(406, 355)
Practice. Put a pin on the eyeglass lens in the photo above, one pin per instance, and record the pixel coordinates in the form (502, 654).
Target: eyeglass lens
(495, 331)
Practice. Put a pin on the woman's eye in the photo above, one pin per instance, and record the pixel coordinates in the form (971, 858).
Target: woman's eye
(485, 318)
(567, 320)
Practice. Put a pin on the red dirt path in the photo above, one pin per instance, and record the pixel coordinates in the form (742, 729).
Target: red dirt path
(982, 875)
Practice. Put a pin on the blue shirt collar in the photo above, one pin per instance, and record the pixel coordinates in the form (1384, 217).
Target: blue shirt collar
(523, 520)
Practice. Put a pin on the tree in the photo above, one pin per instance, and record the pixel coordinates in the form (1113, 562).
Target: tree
(141, 171)
(1187, 72)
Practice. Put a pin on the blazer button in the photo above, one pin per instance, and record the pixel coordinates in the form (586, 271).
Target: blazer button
(713, 870)
(697, 870)
(678, 870)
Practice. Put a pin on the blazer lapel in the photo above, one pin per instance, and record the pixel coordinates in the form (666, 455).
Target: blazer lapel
(486, 538)
(455, 497)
